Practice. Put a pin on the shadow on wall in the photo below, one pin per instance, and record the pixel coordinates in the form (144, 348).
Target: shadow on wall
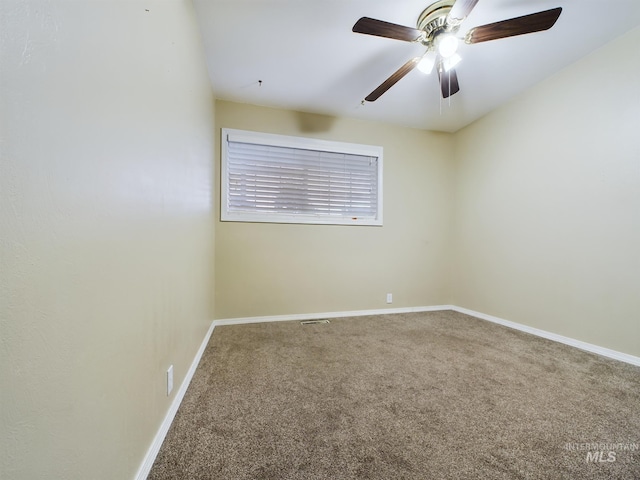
(314, 123)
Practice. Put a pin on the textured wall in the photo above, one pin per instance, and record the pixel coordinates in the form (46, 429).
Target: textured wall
(548, 212)
(106, 228)
(272, 269)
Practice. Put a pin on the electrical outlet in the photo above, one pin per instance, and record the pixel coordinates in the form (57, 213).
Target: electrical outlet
(389, 298)
(169, 380)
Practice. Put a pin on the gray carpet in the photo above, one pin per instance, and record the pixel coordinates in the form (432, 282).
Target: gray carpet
(409, 396)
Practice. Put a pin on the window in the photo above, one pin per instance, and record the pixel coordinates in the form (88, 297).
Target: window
(282, 179)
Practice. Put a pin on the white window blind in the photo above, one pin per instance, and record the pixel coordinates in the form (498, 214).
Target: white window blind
(273, 178)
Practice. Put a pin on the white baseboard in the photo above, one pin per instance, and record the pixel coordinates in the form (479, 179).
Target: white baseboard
(150, 457)
(315, 316)
(605, 352)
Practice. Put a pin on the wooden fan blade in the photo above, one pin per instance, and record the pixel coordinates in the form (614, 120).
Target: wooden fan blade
(535, 22)
(379, 28)
(393, 79)
(460, 10)
(448, 82)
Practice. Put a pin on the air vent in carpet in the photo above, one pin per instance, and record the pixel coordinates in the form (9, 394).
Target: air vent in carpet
(313, 322)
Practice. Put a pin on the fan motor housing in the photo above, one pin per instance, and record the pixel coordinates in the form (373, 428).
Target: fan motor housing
(433, 21)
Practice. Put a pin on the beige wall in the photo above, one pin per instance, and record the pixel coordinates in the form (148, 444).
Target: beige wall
(548, 204)
(106, 229)
(273, 269)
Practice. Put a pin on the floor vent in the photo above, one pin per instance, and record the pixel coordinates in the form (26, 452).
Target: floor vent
(313, 322)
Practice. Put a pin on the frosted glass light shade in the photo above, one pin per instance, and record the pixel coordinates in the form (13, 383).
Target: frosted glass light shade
(452, 61)
(428, 61)
(447, 45)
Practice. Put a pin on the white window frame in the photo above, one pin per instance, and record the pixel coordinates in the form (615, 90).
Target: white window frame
(267, 139)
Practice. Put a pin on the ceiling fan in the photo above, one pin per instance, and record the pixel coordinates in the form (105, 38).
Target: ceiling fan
(437, 29)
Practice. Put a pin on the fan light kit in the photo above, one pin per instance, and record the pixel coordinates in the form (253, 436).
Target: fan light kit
(437, 30)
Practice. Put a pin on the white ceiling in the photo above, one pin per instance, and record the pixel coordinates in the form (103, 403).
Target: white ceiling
(309, 59)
